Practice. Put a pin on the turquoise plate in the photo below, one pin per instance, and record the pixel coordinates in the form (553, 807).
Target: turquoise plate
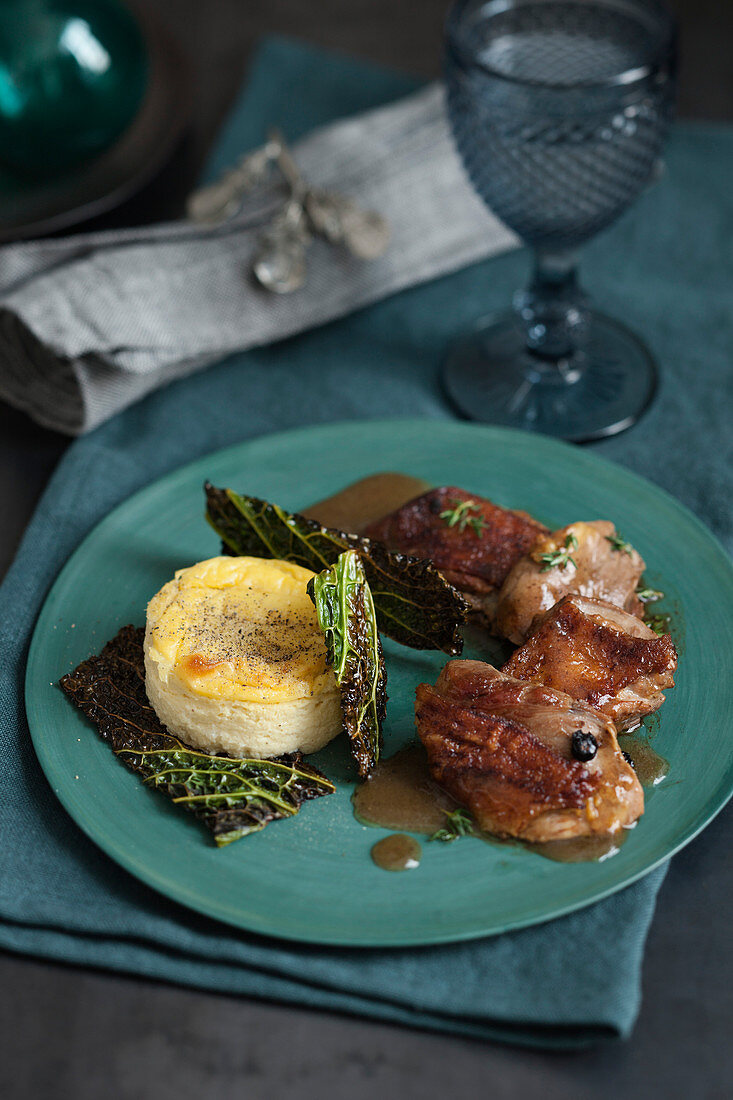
(311, 878)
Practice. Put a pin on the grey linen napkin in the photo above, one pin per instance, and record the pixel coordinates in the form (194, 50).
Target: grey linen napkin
(91, 323)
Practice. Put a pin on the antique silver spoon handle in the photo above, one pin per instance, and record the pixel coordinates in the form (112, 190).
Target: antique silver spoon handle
(280, 259)
(222, 199)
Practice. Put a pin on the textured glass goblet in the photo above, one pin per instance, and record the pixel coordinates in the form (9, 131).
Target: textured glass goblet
(559, 109)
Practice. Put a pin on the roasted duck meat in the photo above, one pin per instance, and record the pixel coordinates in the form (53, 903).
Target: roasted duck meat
(473, 542)
(527, 761)
(589, 559)
(601, 656)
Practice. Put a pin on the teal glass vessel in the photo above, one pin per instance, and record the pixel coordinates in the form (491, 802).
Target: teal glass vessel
(73, 74)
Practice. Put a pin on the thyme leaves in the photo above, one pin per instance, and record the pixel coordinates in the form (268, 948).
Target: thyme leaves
(560, 558)
(649, 595)
(457, 823)
(620, 544)
(658, 623)
(465, 513)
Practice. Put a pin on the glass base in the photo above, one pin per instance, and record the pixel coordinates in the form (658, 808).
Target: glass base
(600, 390)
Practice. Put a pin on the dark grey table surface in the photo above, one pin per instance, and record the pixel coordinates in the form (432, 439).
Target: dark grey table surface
(67, 1032)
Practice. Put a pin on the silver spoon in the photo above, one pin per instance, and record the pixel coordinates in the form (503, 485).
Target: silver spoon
(340, 220)
(279, 263)
(221, 200)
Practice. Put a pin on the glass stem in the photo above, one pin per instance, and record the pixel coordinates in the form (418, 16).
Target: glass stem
(553, 310)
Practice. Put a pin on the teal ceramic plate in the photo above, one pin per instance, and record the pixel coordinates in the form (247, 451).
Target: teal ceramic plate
(311, 878)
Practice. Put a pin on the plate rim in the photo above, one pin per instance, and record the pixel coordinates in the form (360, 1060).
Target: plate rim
(212, 909)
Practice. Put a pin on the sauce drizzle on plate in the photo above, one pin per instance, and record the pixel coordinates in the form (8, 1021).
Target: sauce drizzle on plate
(397, 853)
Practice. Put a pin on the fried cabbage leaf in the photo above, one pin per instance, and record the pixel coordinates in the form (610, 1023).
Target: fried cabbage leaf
(231, 797)
(346, 614)
(415, 605)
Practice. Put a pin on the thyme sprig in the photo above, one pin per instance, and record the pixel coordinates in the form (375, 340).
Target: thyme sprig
(649, 595)
(619, 543)
(466, 513)
(457, 823)
(658, 623)
(559, 559)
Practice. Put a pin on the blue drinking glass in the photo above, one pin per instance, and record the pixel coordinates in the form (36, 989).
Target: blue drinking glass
(559, 109)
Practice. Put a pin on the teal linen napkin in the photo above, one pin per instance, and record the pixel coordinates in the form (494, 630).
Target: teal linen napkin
(665, 268)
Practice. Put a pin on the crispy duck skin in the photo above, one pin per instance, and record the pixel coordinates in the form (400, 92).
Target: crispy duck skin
(502, 748)
(601, 656)
(474, 554)
(599, 569)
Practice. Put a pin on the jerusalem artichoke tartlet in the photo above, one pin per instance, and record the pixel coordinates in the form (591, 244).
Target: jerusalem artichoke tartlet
(235, 661)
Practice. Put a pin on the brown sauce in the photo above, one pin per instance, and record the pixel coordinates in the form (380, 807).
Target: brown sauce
(401, 795)
(360, 504)
(397, 853)
(580, 849)
(650, 767)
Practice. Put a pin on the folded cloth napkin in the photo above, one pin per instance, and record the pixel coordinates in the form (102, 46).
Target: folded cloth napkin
(91, 323)
(667, 267)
